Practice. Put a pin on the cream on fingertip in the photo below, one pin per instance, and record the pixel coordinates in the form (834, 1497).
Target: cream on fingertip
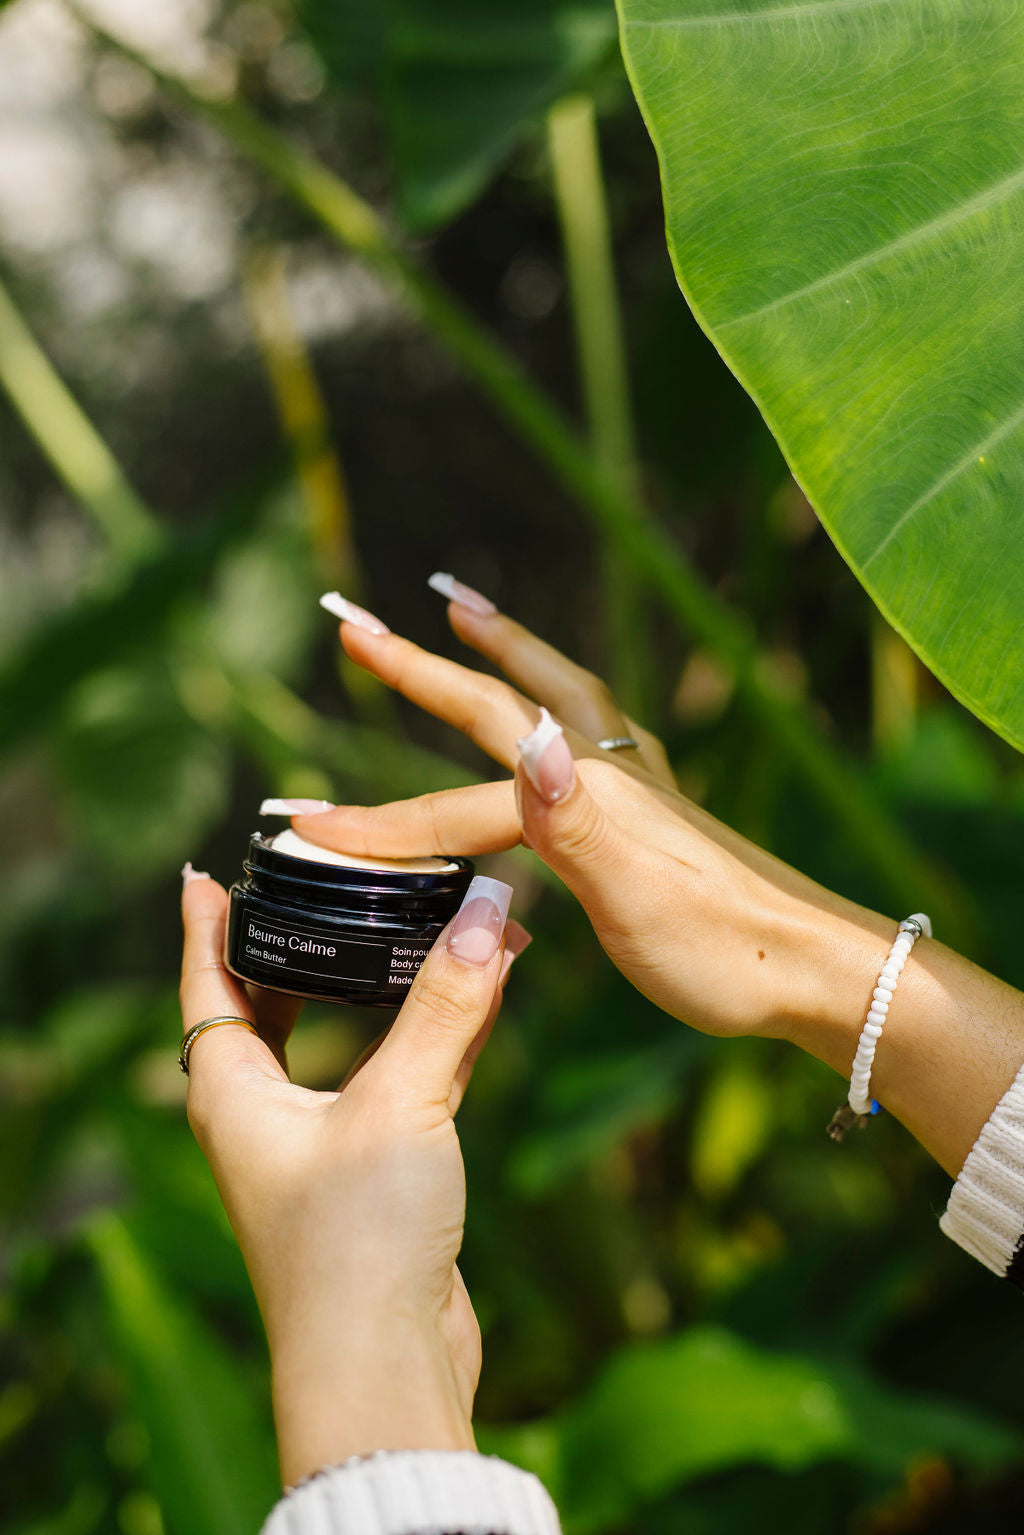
(547, 760)
(295, 806)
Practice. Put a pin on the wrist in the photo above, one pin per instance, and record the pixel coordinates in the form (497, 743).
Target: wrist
(381, 1388)
(952, 1041)
(837, 952)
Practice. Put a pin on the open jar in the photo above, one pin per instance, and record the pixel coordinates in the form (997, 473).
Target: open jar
(336, 927)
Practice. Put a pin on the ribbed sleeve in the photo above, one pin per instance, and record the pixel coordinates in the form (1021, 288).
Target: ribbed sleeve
(985, 1214)
(417, 1492)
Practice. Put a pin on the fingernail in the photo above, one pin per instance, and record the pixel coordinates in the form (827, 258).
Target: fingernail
(547, 760)
(340, 606)
(188, 874)
(475, 934)
(295, 806)
(465, 596)
(516, 940)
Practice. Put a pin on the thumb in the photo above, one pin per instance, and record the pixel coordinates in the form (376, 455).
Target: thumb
(450, 998)
(565, 825)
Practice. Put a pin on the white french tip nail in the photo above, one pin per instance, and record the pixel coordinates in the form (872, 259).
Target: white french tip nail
(351, 613)
(533, 746)
(295, 806)
(490, 890)
(188, 874)
(458, 592)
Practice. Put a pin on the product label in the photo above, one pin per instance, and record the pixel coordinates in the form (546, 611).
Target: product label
(296, 949)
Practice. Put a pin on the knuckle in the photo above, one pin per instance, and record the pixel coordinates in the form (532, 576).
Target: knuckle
(598, 690)
(600, 776)
(589, 836)
(448, 1005)
(483, 700)
(433, 815)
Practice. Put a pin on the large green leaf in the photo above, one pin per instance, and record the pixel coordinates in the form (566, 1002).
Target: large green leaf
(460, 79)
(213, 1463)
(663, 1413)
(844, 189)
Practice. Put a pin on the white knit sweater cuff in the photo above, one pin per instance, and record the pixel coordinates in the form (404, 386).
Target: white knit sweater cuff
(417, 1492)
(985, 1214)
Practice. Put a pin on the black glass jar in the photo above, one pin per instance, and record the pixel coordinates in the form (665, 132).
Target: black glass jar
(335, 933)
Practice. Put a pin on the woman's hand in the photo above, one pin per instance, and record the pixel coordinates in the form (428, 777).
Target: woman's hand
(713, 929)
(349, 1205)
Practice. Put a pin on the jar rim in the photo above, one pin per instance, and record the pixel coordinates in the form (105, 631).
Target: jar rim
(264, 858)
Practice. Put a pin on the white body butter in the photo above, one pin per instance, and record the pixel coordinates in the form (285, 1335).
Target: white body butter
(297, 847)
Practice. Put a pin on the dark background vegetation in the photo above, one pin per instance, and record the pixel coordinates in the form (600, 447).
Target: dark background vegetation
(698, 1314)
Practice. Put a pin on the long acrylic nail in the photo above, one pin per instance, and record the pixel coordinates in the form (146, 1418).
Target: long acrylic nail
(188, 874)
(475, 934)
(340, 606)
(295, 806)
(516, 940)
(547, 760)
(458, 592)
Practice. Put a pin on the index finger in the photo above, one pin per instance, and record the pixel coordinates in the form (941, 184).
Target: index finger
(492, 713)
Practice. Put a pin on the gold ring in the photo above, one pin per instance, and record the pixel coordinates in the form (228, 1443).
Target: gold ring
(200, 1028)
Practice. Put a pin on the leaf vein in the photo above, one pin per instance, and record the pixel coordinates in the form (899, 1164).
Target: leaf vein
(961, 211)
(992, 440)
(775, 13)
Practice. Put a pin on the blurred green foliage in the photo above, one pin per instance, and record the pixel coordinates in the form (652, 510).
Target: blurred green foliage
(698, 1315)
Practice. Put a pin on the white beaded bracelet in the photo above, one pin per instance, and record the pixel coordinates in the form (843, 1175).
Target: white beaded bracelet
(861, 1105)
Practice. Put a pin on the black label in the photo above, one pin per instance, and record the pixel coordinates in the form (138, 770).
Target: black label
(299, 949)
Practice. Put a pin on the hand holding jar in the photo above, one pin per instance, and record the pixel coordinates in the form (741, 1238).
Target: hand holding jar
(349, 1205)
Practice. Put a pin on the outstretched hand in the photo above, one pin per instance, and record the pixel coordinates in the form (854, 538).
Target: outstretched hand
(712, 928)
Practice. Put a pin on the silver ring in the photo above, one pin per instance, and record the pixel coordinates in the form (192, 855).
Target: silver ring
(618, 743)
(200, 1028)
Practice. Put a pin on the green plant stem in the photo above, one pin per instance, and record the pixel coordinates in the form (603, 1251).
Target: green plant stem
(902, 870)
(302, 412)
(70, 442)
(601, 351)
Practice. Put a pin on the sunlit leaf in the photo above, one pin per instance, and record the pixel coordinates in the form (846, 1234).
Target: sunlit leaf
(212, 1457)
(844, 191)
(662, 1413)
(261, 611)
(734, 1119)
